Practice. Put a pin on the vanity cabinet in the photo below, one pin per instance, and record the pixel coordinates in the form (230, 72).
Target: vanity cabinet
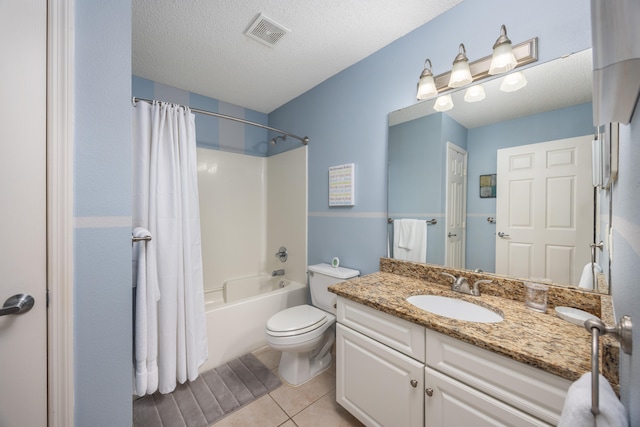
(380, 366)
(391, 372)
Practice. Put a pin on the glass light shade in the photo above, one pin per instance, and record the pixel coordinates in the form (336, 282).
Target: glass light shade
(426, 87)
(443, 103)
(474, 94)
(513, 82)
(460, 74)
(503, 59)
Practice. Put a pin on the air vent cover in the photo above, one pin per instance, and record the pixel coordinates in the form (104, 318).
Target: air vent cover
(266, 31)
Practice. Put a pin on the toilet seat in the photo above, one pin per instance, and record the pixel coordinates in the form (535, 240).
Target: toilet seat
(296, 320)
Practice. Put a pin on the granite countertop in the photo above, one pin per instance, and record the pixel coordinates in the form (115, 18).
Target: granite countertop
(542, 340)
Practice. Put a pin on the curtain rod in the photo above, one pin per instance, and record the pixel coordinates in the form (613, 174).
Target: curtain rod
(304, 140)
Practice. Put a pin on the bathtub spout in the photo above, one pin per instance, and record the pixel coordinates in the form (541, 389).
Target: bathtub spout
(277, 272)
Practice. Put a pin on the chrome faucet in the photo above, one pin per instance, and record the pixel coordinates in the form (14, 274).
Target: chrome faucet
(275, 273)
(461, 284)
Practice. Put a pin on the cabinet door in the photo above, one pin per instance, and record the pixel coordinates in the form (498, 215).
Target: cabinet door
(378, 385)
(453, 403)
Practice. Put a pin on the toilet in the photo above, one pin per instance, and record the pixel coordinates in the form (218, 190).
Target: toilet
(305, 333)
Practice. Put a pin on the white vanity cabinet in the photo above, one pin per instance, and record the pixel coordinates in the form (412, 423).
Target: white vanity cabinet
(391, 372)
(376, 379)
(472, 383)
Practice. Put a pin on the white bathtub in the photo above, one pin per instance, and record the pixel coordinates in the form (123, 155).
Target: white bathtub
(238, 312)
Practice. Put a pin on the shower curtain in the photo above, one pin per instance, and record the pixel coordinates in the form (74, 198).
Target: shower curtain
(170, 341)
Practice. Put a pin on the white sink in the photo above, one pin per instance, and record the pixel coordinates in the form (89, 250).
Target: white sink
(454, 308)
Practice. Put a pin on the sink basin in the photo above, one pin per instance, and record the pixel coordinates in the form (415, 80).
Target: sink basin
(454, 308)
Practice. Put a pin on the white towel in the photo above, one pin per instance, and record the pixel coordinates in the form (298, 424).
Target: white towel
(577, 406)
(586, 280)
(410, 240)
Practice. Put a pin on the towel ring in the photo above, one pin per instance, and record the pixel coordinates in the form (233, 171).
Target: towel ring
(622, 332)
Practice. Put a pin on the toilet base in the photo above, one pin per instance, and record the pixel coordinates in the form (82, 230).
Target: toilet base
(296, 368)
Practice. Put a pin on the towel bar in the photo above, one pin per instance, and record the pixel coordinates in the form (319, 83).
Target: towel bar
(622, 332)
(140, 239)
(432, 221)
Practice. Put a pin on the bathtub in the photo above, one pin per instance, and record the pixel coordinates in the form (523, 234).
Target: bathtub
(238, 312)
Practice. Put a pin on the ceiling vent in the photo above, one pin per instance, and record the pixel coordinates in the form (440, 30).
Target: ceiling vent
(266, 31)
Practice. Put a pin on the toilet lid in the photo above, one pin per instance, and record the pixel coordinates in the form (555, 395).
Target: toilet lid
(296, 320)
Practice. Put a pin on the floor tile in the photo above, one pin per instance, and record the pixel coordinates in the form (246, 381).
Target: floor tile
(295, 399)
(289, 423)
(263, 412)
(268, 356)
(326, 412)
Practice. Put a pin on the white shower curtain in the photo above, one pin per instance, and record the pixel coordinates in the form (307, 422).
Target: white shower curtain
(170, 329)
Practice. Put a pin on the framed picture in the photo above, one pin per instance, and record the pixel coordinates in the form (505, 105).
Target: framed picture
(488, 186)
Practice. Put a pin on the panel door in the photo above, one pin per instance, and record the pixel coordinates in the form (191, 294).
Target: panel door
(452, 403)
(376, 384)
(23, 338)
(456, 210)
(544, 210)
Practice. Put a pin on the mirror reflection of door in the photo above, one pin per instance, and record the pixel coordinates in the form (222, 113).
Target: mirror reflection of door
(456, 207)
(542, 233)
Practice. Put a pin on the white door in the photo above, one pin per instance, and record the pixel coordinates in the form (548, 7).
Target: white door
(544, 210)
(378, 385)
(449, 402)
(23, 337)
(456, 209)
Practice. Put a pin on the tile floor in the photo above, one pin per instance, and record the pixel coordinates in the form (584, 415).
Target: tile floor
(309, 405)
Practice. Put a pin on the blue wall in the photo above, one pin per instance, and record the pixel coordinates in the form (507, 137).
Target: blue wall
(625, 266)
(345, 117)
(213, 132)
(102, 214)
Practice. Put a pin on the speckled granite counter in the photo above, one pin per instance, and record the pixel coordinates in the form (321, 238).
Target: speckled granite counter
(542, 340)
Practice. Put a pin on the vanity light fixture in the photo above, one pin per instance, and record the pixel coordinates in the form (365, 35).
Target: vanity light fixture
(460, 73)
(426, 84)
(443, 103)
(474, 94)
(503, 59)
(513, 82)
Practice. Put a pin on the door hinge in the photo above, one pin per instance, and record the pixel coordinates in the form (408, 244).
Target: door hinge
(47, 298)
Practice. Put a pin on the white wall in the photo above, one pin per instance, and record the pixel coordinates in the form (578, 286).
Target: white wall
(249, 207)
(287, 212)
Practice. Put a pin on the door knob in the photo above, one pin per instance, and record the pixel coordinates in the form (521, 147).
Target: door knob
(501, 234)
(17, 304)
(450, 234)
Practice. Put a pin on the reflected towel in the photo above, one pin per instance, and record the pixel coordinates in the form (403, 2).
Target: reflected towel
(577, 406)
(586, 280)
(410, 240)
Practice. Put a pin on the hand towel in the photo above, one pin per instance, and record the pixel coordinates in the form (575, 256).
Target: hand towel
(410, 240)
(586, 280)
(577, 406)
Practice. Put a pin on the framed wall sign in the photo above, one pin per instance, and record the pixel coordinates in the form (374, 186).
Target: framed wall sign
(342, 185)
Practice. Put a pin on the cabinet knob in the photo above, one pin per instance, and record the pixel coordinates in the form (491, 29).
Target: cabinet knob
(414, 383)
(429, 391)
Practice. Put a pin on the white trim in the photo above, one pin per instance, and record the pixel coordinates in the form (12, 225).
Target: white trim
(101, 221)
(60, 75)
(349, 214)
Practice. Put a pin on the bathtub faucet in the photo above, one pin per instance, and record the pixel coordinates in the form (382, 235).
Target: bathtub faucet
(277, 272)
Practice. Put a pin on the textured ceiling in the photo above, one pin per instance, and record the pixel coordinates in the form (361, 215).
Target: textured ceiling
(200, 46)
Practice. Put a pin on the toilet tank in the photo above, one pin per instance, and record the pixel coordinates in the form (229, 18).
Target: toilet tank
(321, 276)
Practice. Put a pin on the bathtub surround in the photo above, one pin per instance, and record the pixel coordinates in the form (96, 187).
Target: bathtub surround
(213, 395)
(170, 327)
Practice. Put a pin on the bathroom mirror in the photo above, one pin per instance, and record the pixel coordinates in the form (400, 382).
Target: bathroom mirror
(554, 105)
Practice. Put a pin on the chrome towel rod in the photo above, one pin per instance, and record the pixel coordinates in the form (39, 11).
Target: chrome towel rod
(621, 332)
(304, 140)
(140, 239)
(429, 221)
